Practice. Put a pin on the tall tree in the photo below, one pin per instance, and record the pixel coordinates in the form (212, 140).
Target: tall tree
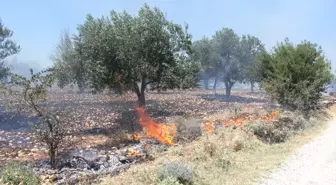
(227, 48)
(68, 62)
(204, 54)
(7, 48)
(250, 48)
(295, 75)
(129, 52)
(61, 58)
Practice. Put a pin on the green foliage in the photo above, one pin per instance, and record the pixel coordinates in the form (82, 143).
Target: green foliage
(169, 181)
(204, 53)
(294, 75)
(7, 48)
(228, 57)
(17, 174)
(250, 48)
(175, 171)
(183, 76)
(285, 126)
(123, 51)
(268, 132)
(4, 72)
(69, 62)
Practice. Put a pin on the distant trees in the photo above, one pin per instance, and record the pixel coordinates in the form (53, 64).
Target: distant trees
(227, 50)
(251, 48)
(69, 65)
(294, 75)
(204, 54)
(229, 58)
(7, 48)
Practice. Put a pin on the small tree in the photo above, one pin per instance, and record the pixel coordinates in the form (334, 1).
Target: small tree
(294, 75)
(52, 127)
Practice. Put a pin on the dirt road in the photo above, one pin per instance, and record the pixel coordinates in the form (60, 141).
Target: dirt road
(312, 164)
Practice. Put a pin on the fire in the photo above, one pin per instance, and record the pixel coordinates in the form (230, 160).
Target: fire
(208, 127)
(148, 145)
(161, 132)
(271, 116)
(136, 136)
(241, 120)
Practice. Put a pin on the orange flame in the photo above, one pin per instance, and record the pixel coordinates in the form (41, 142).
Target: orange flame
(136, 136)
(208, 127)
(161, 132)
(241, 120)
(148, 145)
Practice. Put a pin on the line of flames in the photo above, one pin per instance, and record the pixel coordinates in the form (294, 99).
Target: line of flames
(239, 121)
(165, 133)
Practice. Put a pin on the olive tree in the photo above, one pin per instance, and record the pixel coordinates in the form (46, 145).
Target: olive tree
(126, 52)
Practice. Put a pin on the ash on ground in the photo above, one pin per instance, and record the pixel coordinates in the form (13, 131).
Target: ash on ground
(78, 164)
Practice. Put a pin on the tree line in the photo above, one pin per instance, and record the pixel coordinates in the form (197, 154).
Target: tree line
(123, 52)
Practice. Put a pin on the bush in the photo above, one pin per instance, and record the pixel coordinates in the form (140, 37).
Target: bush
(176, 171)
(295, 75)
(268, 132)
(52, 127)
(187, 129)
(278, 131)
(16, 174)
(169, 181)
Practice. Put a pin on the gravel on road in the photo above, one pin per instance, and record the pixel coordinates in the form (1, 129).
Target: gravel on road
(312, 164)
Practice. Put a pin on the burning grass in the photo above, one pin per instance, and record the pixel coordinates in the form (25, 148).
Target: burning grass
(226, 156)
(164, 133)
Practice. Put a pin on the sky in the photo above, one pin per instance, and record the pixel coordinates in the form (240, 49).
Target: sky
(37, 24)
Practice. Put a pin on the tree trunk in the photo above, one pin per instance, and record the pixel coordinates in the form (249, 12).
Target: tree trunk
(215, 85)
(141, 93)
(142, 100)
(206, 83)
(81, 88)
(228, 87)
(52, 156)
(252, 87)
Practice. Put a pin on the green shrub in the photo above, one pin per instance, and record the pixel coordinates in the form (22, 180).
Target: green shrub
(287, 124)
(269, 132)
(169, 181)
(294, 75)
(177, 171)
(15, 174)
